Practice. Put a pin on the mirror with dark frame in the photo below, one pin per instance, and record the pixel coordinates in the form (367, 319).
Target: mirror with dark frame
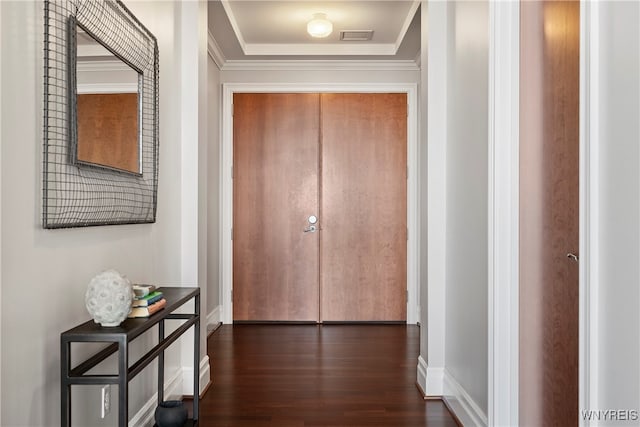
(106, 106)
(100, 116)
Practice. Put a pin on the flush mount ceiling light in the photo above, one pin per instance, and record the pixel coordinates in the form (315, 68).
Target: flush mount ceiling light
(319, 26)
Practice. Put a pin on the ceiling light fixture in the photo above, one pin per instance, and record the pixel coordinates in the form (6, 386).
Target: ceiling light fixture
(319, 26)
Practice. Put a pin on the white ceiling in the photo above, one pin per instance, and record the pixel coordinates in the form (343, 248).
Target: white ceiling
(276, 30)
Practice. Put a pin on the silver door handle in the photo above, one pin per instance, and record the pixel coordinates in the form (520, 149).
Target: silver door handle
(311, 229)
(573, 257)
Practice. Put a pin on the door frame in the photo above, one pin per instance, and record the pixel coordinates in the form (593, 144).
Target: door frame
(504, 169)
(226, 181)
(589, 201)
(504, 213)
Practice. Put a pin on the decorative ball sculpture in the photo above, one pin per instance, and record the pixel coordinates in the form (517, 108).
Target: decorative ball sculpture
(108, 298)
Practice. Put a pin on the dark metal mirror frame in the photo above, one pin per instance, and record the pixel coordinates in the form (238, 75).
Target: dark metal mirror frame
(78, 195)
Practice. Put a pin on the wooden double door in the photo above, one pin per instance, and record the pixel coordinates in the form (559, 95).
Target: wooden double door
(320, 207)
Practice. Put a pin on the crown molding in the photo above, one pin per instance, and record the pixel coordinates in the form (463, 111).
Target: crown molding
(234, 24)
(214, 51)
(407, 23)
(418, 59)
(314, 65)
(225, 64)
(351, 49)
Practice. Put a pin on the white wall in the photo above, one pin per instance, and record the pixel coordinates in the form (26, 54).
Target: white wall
(213, 196)
(423, 180)
(618, 365)
(1, 38)
(467, 198)
(192, 112)
(433, 187)
(51, 268)
(453, 359)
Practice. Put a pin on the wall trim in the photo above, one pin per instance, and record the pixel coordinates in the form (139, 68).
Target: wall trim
(319, 65)
(234, 24)
(589, 267)
(421, 381)
(320, 49)
(215, 316)
(214, 51)
(418, 59)
(172, 390)
(504, 212)
(461, 404)
(407, 23)
(430, 380)
(187, 377)
(226, 161)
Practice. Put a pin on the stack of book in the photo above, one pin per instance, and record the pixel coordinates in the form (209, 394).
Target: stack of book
(147, 301)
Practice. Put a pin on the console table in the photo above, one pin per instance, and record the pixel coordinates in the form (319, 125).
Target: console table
(120, 337)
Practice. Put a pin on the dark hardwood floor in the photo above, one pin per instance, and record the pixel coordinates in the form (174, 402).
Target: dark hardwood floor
(308, 375)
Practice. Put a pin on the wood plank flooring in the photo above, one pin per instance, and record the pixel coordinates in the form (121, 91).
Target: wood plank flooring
(311, 375)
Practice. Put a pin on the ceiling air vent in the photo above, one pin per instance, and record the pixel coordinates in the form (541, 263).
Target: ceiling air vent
(356, 35)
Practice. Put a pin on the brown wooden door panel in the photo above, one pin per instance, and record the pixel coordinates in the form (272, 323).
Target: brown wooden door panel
(549, 212)
(275, 264)
(364, 207)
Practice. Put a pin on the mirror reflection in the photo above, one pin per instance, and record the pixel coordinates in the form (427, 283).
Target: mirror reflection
(108, 107)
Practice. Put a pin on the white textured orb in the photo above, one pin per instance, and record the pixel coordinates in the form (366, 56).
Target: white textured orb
(108, 298)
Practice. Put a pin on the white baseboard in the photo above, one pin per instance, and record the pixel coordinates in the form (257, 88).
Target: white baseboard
(174, 389)
(145, 417)
(461, 404)
(421, 380)
(429, 379)
(215, 316)
(187, 377)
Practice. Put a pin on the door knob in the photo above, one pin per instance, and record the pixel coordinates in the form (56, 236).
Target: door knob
(313, 220)
(573, 257)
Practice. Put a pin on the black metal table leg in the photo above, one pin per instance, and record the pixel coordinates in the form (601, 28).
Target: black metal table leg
(65, 386)
(196, 362)
(161, 363)
(123, 382)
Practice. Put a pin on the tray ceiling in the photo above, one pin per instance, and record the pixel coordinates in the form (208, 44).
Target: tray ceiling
(276, 30)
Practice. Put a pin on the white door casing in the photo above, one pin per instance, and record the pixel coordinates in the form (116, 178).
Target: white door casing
(503, 304)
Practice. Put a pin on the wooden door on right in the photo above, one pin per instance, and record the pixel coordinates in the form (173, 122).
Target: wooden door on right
(363, 241)
(549, 212)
